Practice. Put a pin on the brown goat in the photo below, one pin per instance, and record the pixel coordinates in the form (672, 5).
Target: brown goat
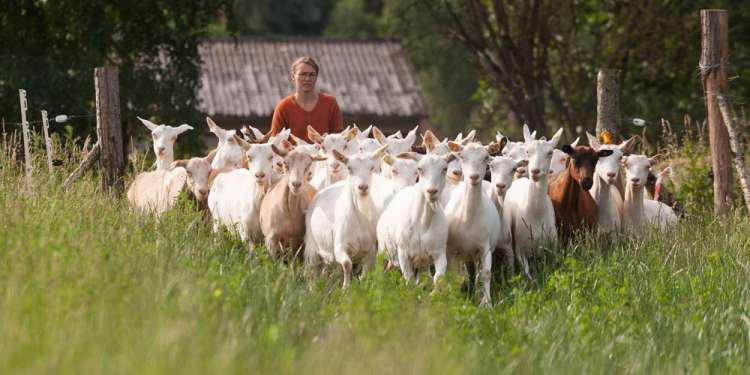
(282, 212)
(575, 209)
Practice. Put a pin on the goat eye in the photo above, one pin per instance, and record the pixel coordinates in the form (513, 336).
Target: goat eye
(549, 153)
(395, 172)
(419, 170)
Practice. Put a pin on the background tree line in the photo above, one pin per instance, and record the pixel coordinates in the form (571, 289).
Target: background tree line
(483, 64)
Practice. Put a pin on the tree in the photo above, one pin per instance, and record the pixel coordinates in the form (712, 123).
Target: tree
(51, 48)
(541, 56)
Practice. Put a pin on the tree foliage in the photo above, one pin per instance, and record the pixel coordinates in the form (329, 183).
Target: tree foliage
(537, 59)
(50, 48)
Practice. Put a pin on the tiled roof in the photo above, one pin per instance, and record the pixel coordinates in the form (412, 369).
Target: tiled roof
(247, 76)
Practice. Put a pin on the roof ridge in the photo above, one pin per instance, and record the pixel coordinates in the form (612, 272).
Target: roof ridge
(298, 38)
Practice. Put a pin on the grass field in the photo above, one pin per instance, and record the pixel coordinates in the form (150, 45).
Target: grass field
(88, 287)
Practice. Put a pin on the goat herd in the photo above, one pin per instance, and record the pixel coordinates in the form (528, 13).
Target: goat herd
(346, 197)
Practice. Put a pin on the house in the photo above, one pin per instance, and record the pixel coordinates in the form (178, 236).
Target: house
(243, 79)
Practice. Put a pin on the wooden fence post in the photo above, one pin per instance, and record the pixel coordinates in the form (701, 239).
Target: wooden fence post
(47, 140)
(608, 103)
(109, 127)
(714, 52)
(26, 137)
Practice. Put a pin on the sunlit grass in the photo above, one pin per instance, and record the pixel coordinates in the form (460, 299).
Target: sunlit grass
(87, 286)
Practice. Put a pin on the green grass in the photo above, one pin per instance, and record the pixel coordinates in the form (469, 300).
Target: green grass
(88, 287)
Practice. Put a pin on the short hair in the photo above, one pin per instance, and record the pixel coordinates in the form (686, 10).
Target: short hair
(305, 60)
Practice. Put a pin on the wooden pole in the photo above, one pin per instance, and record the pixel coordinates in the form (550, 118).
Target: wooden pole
(26, 137)
(608, 103)
(714, 52)
(47, 140)
(730, 120)
(109, 127)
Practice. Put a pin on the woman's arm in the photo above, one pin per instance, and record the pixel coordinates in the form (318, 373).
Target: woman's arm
(337, 119)
(277, 122)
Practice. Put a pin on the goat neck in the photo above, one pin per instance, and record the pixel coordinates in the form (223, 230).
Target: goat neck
(632, 210)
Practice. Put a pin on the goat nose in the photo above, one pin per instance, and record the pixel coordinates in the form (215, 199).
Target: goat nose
(160, 150)
(432, 191)
(363, 187)
(500, 186)
(260, 175)
(474, 177)
(297, 184)
(203, 191)
(611, 174)
(635, 180)
(535, 171)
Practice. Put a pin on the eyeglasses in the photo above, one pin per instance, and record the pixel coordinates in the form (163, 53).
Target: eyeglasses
(311, 75)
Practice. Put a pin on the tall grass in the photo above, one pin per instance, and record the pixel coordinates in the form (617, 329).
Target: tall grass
(86, 286)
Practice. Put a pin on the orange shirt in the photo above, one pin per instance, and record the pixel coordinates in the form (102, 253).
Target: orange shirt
(325, 117)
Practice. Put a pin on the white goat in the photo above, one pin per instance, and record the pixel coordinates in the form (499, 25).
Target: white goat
(530, 208)
(343, 143)
(413, 229)
(604, 190)
(341, 220)
(473, 222)
(516, 151)
(157, 191)
(396, 145)
(502, 171)
(235, 196)
(637, 211)
(228, 152)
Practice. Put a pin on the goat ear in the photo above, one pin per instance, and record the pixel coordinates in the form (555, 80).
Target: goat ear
(182, 128)
(412, 135)
(396, 135)
(496, 148)
(279, 151)
(211, 155)
(265, 138)
(178, 163)
(340, 157)
(471, 136)
(604, 153)
(213, 128)
(429, 140)
(365, 133)
(313, 135)
(627, 145)
(352, 133)
(388, 159)
(527, 137)
(243, 144)
(377, 154)
(378, 135)
(575, 143)
(522, 163)
(455, 147)
(298, 141)
(286, 145)
(568, 149)
(409, 155)
(499, 136)
(318, 157)
(593, 141)
(150, 125)
(556, 137)
(449, 157)
(655, 159)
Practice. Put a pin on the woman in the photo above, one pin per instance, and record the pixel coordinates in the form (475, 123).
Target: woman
(306, 106)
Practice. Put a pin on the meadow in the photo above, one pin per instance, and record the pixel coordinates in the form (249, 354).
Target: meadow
(87, 286)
